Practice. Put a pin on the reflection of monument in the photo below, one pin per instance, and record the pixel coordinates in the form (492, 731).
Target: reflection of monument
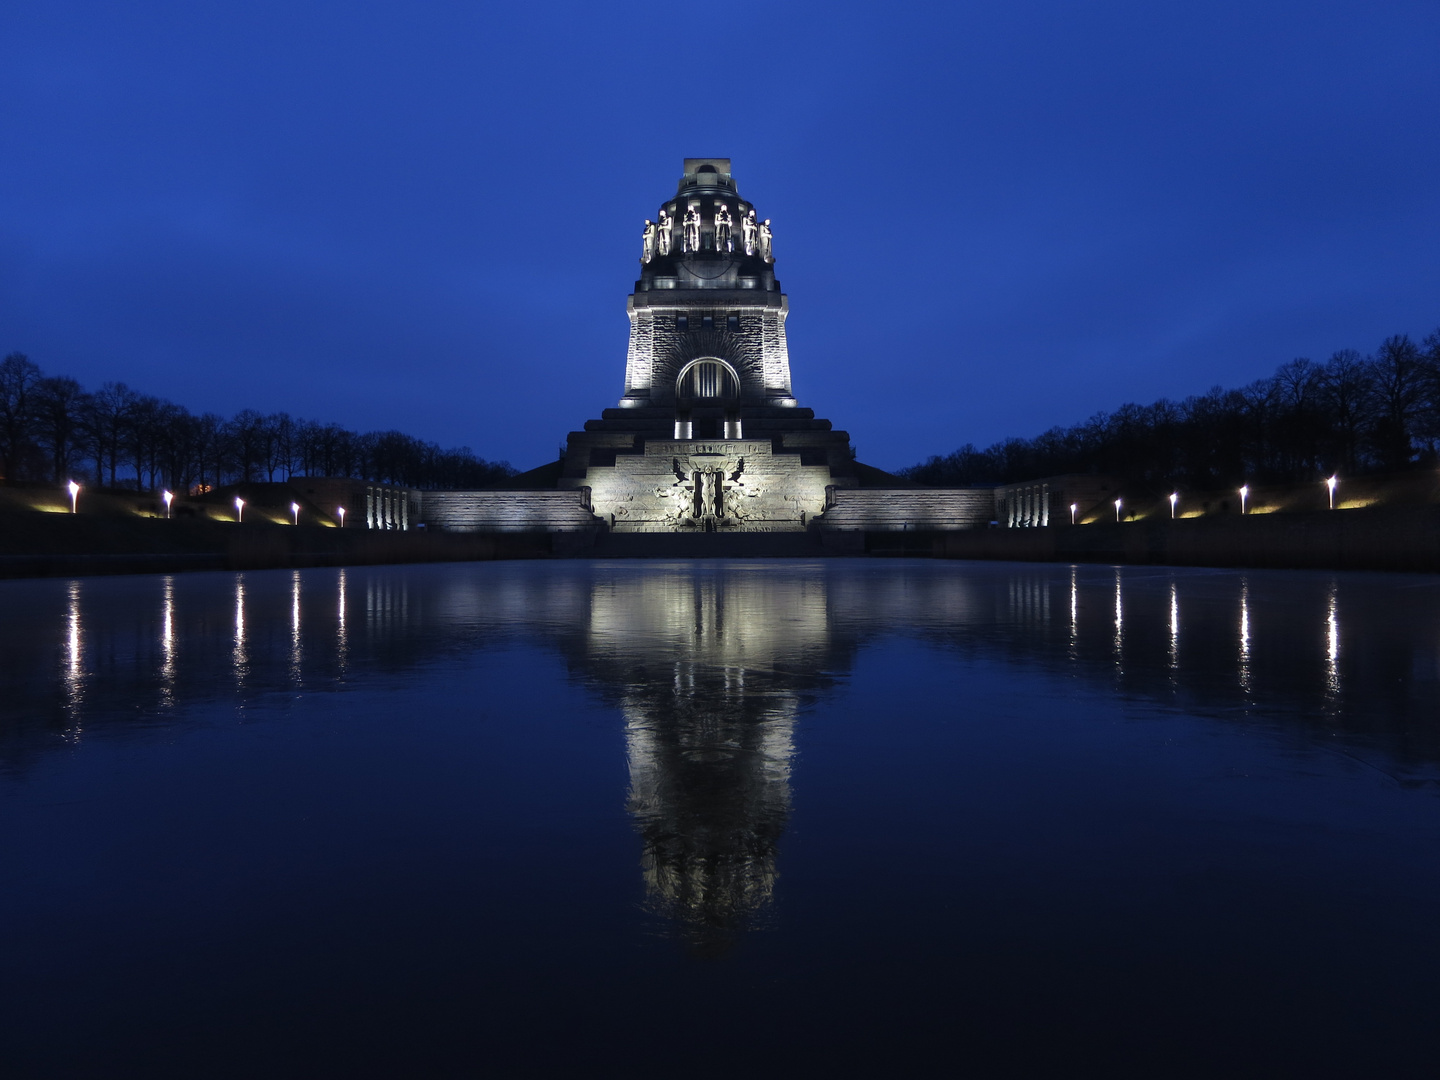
(711, 670)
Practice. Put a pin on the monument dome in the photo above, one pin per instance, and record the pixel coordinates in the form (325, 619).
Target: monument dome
(707, 292)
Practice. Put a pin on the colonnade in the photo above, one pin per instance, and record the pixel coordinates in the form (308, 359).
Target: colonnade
(387, 508)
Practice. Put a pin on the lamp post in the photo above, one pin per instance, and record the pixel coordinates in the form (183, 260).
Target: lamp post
(74, 489)
(1174, 498)
(1117, 509)
(1073, 508)
(341, 512)
(1244, 493)
(295, 513)
(1330, 483)
(169, 497)
(239, 508)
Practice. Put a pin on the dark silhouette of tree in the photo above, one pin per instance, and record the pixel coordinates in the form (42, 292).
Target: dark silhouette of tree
(50, 428)
(18, 377)
(1353, 414)
(59, 411)
(107, 424)
(1399, 388)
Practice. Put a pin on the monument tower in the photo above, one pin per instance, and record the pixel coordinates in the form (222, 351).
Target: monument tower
(708, 435)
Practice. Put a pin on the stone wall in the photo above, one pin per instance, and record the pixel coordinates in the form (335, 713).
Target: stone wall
(907, 509)
(507, 511)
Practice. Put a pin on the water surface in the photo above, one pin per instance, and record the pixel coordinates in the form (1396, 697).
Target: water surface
(760, 818)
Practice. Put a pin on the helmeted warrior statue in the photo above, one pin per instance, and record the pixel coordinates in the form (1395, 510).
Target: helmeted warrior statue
(749, 231)
(724, 241)
(766, 241)
(662, 232)
(691, 224)
(647, 242)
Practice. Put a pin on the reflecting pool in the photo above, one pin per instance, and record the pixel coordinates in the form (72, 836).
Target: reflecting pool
(721, 818)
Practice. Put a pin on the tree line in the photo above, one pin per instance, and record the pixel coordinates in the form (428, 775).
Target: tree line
(52, 428)
(1352, 414)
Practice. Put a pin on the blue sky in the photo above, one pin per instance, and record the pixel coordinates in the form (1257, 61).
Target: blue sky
(990, 218)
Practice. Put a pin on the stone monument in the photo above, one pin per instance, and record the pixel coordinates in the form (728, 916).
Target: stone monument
(708, 436)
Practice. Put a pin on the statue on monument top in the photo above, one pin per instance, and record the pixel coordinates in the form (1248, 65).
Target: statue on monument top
(691, 224)
(724, 240)
(662, 232)
(647, 242)
(749, 230)
(767, 239)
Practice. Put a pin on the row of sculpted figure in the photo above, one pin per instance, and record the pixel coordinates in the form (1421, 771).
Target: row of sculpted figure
(755, 236)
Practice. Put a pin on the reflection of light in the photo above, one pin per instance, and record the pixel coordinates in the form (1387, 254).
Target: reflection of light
(1245, 635)
(1330, 483)
(241, 661)
(1074, 610)
(1174, 626)
(239, 508)
(1244, 494)
(1073, 508)
(169, 497)
(74, 661)
(74, 489)
(167, 641)
(295, 625)
(340, 638)
(341, 511)
(1117, 509)
(1332, 644)
(1174, 498)
(1119, 619)
(295, 513)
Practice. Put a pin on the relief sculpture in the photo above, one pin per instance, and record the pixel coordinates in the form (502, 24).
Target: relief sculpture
(678, 497)
(740, 497)
(705, 490)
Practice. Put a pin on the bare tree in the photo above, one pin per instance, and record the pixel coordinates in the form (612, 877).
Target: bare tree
(60, 405)
(107, 420)
(1399, 391)
(18, 377)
